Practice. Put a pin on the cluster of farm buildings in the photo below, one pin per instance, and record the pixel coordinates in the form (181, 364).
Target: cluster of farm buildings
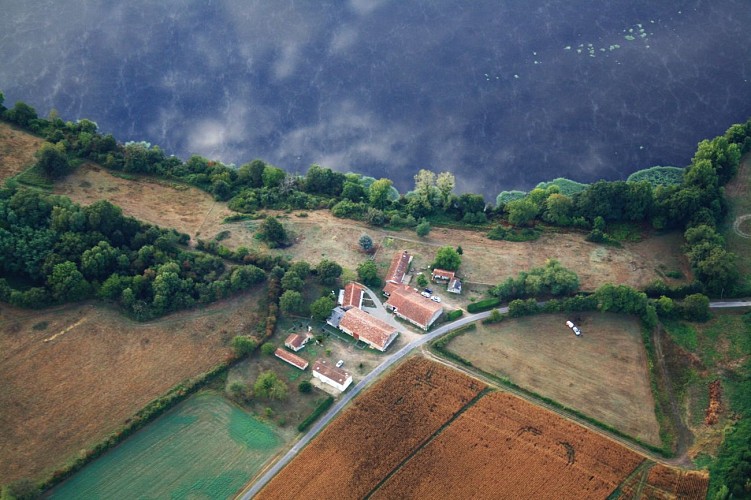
(350, 317)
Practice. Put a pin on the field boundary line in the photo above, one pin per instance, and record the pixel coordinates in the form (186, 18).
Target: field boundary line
(429, 439)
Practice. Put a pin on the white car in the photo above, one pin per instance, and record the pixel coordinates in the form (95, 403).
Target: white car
(425, 294)
(577, 332)
(435, 298)
(569, 324)
(339, 363)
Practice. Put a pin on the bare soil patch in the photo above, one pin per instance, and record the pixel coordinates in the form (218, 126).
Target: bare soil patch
(602, 374)
(384, 425)
(17, 150)
(505, 447)
(62, 396)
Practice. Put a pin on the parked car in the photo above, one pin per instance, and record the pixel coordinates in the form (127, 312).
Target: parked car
(569, 324)
(429, 291)
(339, 363)
(577, 332)
(425, 294)
(435, 298)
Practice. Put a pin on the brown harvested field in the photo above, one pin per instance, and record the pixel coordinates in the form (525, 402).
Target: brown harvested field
(505, 447)
(17, 150)
(320, 235)
(669, 483)
(371, 438)
(603, 373)
(99, 368)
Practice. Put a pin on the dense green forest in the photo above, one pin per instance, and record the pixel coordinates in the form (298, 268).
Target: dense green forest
(56, 251)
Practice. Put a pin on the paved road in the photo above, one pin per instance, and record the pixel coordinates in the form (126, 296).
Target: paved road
(387, 363)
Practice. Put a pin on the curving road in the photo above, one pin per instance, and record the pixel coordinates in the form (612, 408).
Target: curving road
(387, 363)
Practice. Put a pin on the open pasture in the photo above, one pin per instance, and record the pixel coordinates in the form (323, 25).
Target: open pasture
(17, 150)
(603, 373)
(72, 375)
(319, 235)
(204, 448)
(505, 447)
(380, 429)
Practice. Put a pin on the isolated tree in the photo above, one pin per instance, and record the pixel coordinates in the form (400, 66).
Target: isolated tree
(695, 307)
(321, 308)
(269, 386)
(53, 161)
(422, 281)
(305, 387)
(239, 390)
(367, 272)
(366, 242)
(459, 250)
(243, 345)
(328, 271)
(423, 228)
(291, 301)
(272, 232)
(447, 258)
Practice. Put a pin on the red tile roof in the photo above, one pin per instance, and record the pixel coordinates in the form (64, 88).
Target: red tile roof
(398, 267)
(290, 358)
(390, 287)
(368, 328)
(295, 341)
(413, 306)
(442, 274)
(353, 294)
(330, 371)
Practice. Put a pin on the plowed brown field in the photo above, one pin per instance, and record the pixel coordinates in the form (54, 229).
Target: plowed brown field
(361, 447)
(17, 150)
(505, 447)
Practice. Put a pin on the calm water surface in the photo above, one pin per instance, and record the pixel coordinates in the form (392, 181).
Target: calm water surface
(504, 93)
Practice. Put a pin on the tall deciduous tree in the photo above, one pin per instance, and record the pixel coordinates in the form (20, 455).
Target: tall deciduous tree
(379, 193)
(269, 386)
(447, 258)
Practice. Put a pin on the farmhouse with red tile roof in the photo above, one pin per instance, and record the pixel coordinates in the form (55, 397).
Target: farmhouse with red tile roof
(441, 275)
(296, 341)
(398, 268)
(330, 374)
(371, 330)
(352, 295)
(408, 304)
(290, 358)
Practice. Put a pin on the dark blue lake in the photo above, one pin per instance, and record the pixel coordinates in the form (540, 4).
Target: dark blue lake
(504, 93)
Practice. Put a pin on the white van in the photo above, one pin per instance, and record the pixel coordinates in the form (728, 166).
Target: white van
(569, 324)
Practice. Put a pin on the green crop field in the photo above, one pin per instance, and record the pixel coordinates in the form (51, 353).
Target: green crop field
(204, 448)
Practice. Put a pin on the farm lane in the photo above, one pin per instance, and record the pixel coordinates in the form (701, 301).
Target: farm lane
(399, 355)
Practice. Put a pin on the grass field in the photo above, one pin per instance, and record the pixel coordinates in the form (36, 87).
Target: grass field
(699, 354)
(738, 193)
(602, 374)
(204, 448)
(16, 151)
(73, 375)
(320, 235)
